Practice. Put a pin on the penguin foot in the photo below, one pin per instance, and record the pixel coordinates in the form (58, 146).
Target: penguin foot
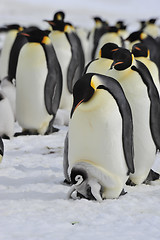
(4, 136)
(130, 183)
(51, 130)
(25, 132)
(152, 176)
(123, 192)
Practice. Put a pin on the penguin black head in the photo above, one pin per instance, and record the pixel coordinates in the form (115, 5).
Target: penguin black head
(152, 20)
(36, 35)
(140, 50)
(120, 25)
(122, 59)
(14, 27)
(82, 91)
(78, 176)
(59, 16)
(137, 35)
(107, 50)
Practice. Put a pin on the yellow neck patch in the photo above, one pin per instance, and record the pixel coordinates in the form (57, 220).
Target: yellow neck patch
(46, 40)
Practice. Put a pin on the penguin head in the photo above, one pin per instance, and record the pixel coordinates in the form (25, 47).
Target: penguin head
(59, 16)
(152, 21)
(122, 59)
(14, 27)
(107, 50)
(140, 50)
(78, 176)
(37, 35)
(120, 25)
(82, 91)
(135, 36)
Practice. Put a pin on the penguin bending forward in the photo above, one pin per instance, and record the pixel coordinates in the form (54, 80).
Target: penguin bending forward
(143, 97)
(98, 153)
(38, 84)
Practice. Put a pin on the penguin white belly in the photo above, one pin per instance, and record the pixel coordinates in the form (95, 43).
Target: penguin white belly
(63, 52)
(31, 75)
(7, 117)
(4, 57)
(95, 137)
(106, 38)
(144, 147)
(99, 66)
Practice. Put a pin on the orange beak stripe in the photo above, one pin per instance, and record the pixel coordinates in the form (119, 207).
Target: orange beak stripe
(118, 63)
(114, 49)
(138, 48)
(25, 34)
(79, 104)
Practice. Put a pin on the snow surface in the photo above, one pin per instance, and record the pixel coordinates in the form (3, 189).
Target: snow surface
(33, 204)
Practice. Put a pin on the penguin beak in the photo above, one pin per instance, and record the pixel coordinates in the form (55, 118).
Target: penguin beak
(25, 34)
(114, 64)
(138, 48)
(50, 22)
(74, 108)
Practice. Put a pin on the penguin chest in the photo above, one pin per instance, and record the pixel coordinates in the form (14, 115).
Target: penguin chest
(95, 136)
(64, 54)
(30, 81)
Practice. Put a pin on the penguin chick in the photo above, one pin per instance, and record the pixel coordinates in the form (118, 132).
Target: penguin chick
(7, 117)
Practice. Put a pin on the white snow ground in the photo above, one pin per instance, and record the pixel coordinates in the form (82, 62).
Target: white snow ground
(33, 204)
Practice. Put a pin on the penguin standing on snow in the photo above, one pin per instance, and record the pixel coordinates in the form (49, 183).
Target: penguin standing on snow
(71, 58)
(103, 63)
(11, 34)
(38, 84)
(7, 117)
(100, 116)
(143, 98)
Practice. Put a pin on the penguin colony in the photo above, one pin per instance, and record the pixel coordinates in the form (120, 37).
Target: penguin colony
(105, 81)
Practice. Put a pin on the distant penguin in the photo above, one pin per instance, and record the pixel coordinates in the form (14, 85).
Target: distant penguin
(111, 35)
(100, 27)
(38, 84)
(99, 145)
(142, 53)
(1, 149)
(69, 52)
(103, 63)
(143, 98)
(12, 31)
(151, 28)
(7, 117)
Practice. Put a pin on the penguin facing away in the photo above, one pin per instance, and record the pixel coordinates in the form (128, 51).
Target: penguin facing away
(38, 84)
(99, 146)
(143, 98)
(7, 117)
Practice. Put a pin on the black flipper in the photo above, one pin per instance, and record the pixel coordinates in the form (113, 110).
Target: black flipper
(154, 101)
(112, 85)
(76, 64)
(53, 84)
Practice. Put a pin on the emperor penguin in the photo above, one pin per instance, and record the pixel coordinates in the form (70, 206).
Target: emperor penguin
(111, 35)
(1, 149)
(104, 61)
(99, 145)
(100, 27)
(38, 84)
(151, 28)
(7, 117)
(143, 98)
(70, 54)
(11, 34)
(142, 53)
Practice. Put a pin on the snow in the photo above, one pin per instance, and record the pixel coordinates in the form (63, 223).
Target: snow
(33, 203)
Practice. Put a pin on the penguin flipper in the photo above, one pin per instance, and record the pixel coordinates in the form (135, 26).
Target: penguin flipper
(53, 84)
(1, 149)
(14, 54)
(65, 160)
(117, 92)
(76, 65)
(154, 101)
